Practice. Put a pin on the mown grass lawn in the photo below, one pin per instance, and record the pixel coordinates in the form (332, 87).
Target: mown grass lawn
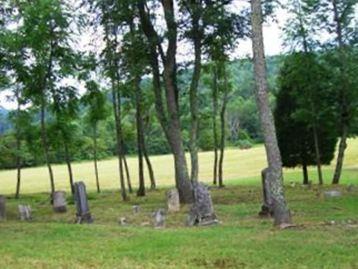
(240, 166)
(326, 235)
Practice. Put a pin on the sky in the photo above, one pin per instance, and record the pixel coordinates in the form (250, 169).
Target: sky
(272, 39)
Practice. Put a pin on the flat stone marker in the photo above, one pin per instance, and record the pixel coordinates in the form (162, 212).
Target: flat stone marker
(2, 207)
(25, 212)
(123, 221)
(202, 211)
(332, 194)
(173, 201)
(59, 202)
(159, 218)
(83, 214)
(136, 209)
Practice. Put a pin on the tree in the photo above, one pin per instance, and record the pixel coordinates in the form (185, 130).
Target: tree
(275, 178)
(168, 115)
(342, 25)
(95, 100)
(296, 143)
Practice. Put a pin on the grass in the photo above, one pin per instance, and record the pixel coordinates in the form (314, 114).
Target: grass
(326, 235)
(240, 166)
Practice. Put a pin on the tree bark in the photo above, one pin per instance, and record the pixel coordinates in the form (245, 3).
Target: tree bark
(140, 136)
(318, 155)
(222, 129)
(194, 109)
(281, 212)
(69, 167)
(95, 157)
(18, 147)
(343, 98)
(305, 174)
(45, 146)
(150, 168)
(214, 115)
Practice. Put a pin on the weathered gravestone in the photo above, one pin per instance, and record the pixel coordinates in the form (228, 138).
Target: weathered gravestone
(173, 200)
(83, 214)
(267, 206)
(332, 194)
(59, 201)
(2, 207)
(136, 209)
(123, 221)
(202, 211)
(25, 212)
(159, 218)
(270, 207)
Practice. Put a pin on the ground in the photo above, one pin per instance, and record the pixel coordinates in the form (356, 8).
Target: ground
(326, 235)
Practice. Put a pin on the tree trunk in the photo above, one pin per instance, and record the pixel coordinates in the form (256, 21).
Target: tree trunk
(281, 212)
(95, 157)
(150, 168)
(305, 174)
(318, 155)
(215, 134)
(119, 142)
(222, 129)
(69, 167)
(194, 96)
(126, 168)
(45, 146)
(18, 148)
(341, 149)
(140, 136)
(343, 98)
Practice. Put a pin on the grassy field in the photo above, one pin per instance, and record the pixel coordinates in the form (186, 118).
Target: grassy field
(240, 166)
(326, 235)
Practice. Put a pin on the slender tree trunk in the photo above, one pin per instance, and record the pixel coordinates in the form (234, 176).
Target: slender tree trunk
(18, 147)
(214, 115)
(45, 146)
(318, 155)
(305, 174)
(150, 168)
(222, 129)
(126, 168)
(140, 136)
(281, 212)
(194, 109)
(95, 157)
(69, 167)
(119, 142)
(343, 98)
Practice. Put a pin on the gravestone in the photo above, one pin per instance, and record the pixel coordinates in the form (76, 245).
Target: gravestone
(267, 206)
(159, 218)
(123, 221)
(173, 200)
(2, 207)
(59, 202)
(332, 194)
(202, 211)
(25, 212)
(136, 209)
(83, 214)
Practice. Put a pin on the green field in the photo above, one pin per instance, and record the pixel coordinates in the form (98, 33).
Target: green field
(240, 167)
(326, 235)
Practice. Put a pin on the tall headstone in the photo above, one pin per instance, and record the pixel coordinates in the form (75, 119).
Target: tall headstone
(83, 214)
(59, 202)
(267, 206)
(25, 212)
(173, 201)
(2, 207)
(202, 211)
(159, 218)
